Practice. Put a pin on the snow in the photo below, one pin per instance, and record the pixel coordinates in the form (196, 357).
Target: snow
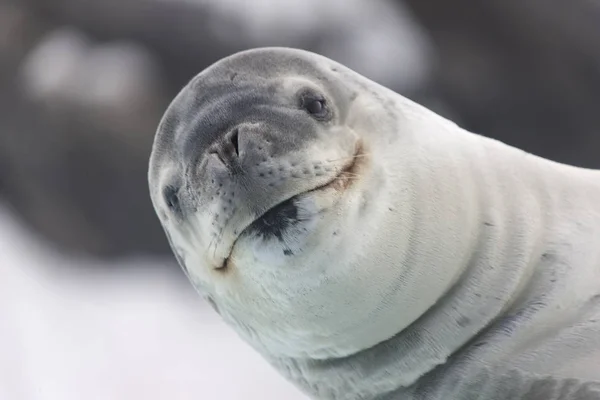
(73, 329)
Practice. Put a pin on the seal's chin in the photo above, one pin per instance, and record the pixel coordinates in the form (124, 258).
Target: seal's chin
(277, 220)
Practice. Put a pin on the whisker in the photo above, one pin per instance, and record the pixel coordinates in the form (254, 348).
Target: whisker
(210, 245)
(349, 157)
(215, 241)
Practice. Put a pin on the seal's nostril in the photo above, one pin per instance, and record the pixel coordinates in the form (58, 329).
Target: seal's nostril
(227, 149)
(234, 141)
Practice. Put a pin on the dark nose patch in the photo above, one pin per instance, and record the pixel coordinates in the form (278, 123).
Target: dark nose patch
(227, 149)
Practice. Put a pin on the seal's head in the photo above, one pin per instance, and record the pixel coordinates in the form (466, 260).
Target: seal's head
(263, 176)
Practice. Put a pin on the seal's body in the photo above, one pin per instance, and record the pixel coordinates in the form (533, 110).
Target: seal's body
(371, 249)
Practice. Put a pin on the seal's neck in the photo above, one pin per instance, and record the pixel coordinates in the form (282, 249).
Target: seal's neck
(518, 208)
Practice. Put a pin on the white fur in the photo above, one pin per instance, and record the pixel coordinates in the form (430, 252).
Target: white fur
(433, 197)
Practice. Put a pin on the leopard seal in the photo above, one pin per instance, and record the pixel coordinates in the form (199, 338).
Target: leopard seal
(369, 248)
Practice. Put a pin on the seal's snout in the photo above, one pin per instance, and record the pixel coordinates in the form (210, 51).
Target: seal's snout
(227, 149)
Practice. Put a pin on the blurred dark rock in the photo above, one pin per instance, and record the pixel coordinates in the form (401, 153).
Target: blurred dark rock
(77, 167)
(378, 38)
(524, 72)
(85, 82)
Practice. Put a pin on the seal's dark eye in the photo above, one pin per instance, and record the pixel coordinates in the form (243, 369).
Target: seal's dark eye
(314, 106)
(171, 198)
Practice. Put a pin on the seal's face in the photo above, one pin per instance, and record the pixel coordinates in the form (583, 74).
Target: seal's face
(255, 175)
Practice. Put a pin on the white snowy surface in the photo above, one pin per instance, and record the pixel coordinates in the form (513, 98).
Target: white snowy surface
(113, 333)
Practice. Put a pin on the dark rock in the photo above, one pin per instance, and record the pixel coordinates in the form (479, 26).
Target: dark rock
(524, 72)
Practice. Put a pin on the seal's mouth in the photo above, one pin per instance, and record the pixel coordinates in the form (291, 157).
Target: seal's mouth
(278, 218)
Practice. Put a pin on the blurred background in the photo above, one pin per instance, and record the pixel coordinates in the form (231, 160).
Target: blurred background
(92, 304)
